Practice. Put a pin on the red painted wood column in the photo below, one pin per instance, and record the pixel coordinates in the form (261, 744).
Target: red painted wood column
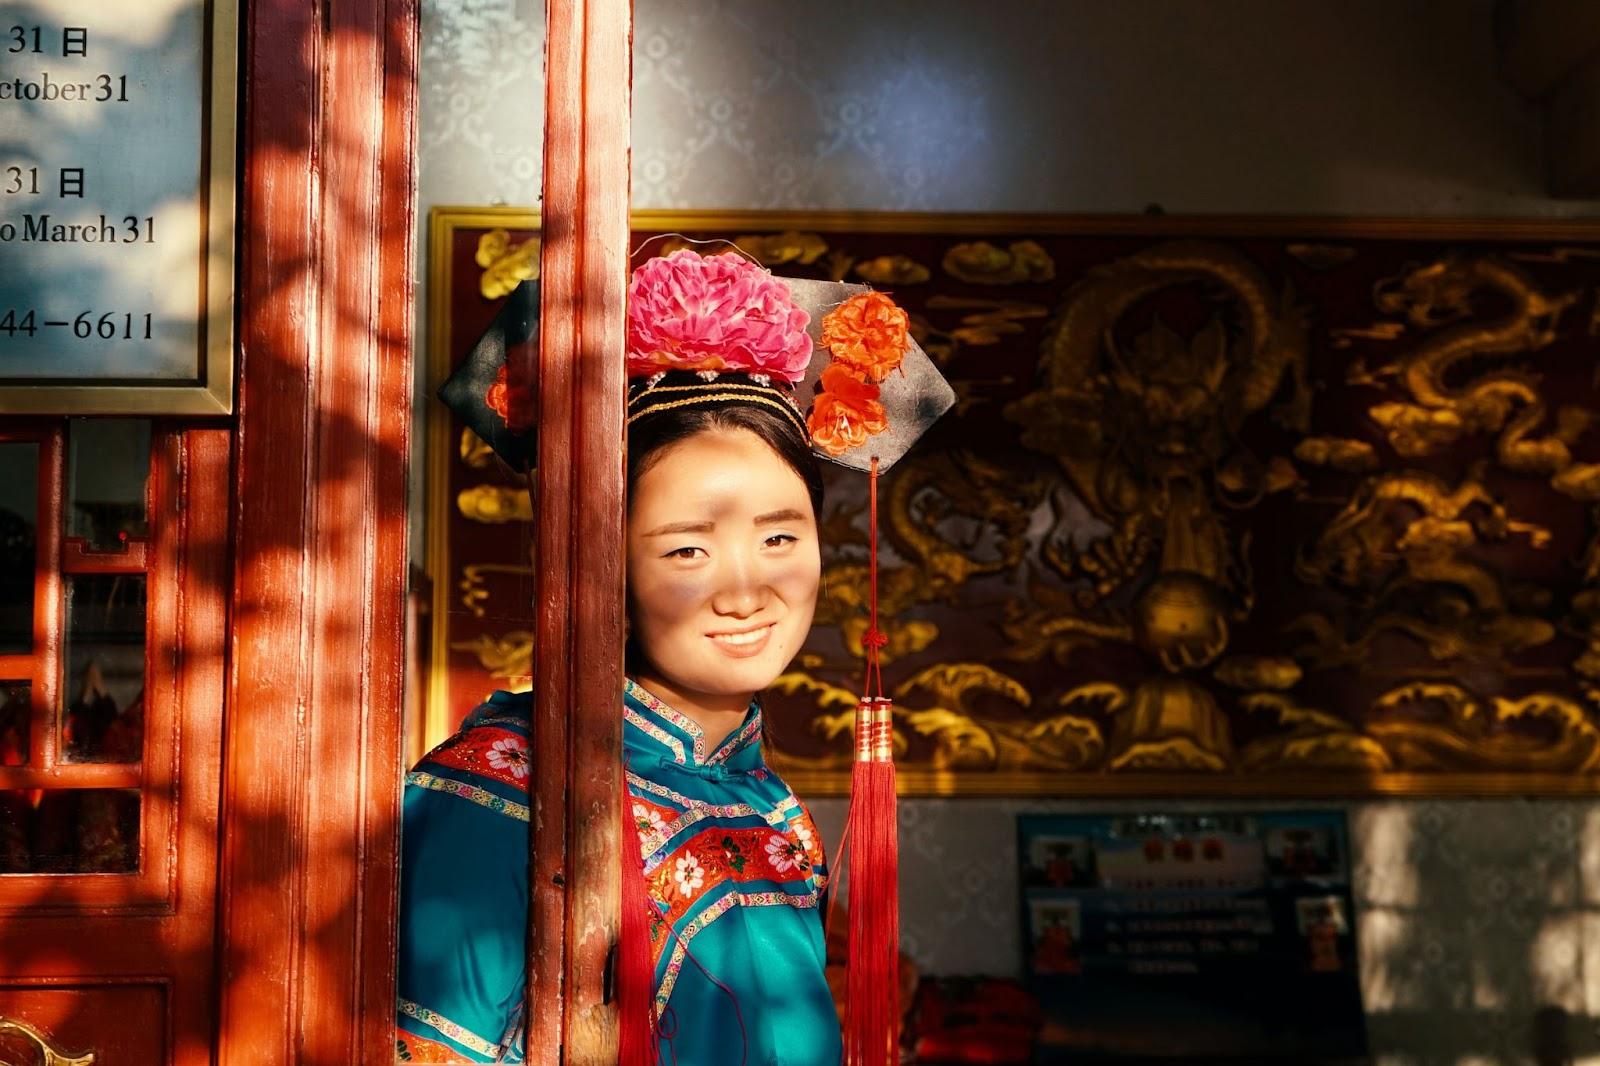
(312, 763)
(579, 502)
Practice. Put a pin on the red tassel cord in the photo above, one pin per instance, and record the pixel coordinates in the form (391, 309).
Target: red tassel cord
(872, 1012)
(636, 973)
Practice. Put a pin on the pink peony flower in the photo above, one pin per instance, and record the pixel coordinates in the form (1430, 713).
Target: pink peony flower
(716, 312)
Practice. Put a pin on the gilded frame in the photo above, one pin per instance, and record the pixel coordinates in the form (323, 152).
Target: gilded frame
(214, 394)
(924, 781)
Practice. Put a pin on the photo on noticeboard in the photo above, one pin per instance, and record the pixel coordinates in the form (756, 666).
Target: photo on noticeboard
(1164, 936)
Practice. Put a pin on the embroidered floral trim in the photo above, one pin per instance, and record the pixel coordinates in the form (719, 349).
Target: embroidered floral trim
(656, 733)
(654, 839)
(409, 1047)
(777, 816)
(786, 855)
(465, 1037)
(736, 743)
(718, 858)
(490, 752)
(683, 722)
(511, 755)
(689, 875)
(472, 793)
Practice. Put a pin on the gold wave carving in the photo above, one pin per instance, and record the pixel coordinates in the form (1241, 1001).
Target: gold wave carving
(1468, 737)
(505, 265)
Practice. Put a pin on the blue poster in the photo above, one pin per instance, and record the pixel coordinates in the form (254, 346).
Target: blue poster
(1216, 935)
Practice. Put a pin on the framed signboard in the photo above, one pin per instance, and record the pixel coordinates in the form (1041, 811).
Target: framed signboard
(1222, 936)
(116, 206)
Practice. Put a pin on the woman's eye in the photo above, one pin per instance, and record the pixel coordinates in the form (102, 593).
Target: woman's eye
(778, 539)
(684, 553)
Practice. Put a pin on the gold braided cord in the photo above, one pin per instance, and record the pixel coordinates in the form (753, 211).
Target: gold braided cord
(717, 397)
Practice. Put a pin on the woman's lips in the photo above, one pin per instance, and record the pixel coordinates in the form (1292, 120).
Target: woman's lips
(745, 644)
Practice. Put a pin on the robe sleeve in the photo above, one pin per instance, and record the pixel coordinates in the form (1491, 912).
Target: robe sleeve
(463, 918)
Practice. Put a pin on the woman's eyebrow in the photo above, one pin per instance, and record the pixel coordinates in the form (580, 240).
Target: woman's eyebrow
(682, 527)
(788, 514)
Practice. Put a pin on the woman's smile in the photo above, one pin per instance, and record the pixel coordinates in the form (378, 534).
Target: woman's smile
(744, 643)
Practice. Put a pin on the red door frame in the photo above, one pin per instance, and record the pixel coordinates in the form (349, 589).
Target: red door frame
(312, 759)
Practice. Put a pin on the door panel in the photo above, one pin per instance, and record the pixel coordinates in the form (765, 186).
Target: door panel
(110, 735)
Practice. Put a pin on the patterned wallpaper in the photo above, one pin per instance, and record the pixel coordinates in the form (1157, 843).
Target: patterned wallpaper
(1478, 919)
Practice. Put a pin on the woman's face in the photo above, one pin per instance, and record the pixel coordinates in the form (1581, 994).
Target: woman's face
(723, 564)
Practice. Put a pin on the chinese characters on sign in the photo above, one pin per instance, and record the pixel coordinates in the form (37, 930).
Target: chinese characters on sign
(116, 205)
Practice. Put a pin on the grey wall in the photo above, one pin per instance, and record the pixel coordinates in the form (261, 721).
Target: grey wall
(1473, 914)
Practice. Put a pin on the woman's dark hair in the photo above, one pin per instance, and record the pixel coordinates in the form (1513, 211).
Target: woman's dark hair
(651, 437)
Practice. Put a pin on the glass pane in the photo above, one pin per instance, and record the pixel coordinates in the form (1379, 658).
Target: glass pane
(19, 523)
(108, 464)
(15, 724)
(102, 717)
(69, 831)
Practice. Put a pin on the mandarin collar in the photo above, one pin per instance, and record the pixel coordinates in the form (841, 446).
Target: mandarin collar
(650, 726)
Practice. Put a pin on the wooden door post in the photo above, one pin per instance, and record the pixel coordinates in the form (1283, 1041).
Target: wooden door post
(312, 770)
(579, 503)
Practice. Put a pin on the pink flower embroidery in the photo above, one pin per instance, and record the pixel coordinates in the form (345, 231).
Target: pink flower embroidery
(510, 755)
(690, 875)
(784, 854)
(715, 312)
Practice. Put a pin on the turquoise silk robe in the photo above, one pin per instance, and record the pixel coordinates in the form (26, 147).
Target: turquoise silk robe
(731, 859)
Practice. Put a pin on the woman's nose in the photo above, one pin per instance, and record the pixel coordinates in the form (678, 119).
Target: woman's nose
(743, 590)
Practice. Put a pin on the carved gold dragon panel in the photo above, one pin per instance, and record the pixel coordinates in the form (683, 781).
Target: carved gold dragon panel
(1224, 507)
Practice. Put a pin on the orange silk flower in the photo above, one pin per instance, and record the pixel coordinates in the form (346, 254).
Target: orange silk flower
(846, 412)
(867, 333)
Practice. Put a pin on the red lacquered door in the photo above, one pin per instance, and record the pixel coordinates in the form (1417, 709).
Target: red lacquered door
(113, 572)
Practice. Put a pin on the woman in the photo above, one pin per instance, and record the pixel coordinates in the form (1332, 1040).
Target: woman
(724, 494)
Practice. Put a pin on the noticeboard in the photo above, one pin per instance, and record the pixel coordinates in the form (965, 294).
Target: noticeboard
(1219, 936)
(117, 150)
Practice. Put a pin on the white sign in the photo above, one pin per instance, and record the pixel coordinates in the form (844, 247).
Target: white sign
(116, 205)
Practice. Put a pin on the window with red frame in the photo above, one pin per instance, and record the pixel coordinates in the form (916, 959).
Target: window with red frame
(75, 561)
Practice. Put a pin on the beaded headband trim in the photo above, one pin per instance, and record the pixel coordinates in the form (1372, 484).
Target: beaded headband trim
(713, 393)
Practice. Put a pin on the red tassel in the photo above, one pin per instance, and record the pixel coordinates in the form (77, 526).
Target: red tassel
(636, 974)
(872, 1009)
(872, 1014)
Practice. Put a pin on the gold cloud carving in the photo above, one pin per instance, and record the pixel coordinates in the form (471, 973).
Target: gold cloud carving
(505, 265)
(982, 263)
(1259, 672)
(508, 656)
(790, 246)
(475, 451)
(493, 504)
(893, 270)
